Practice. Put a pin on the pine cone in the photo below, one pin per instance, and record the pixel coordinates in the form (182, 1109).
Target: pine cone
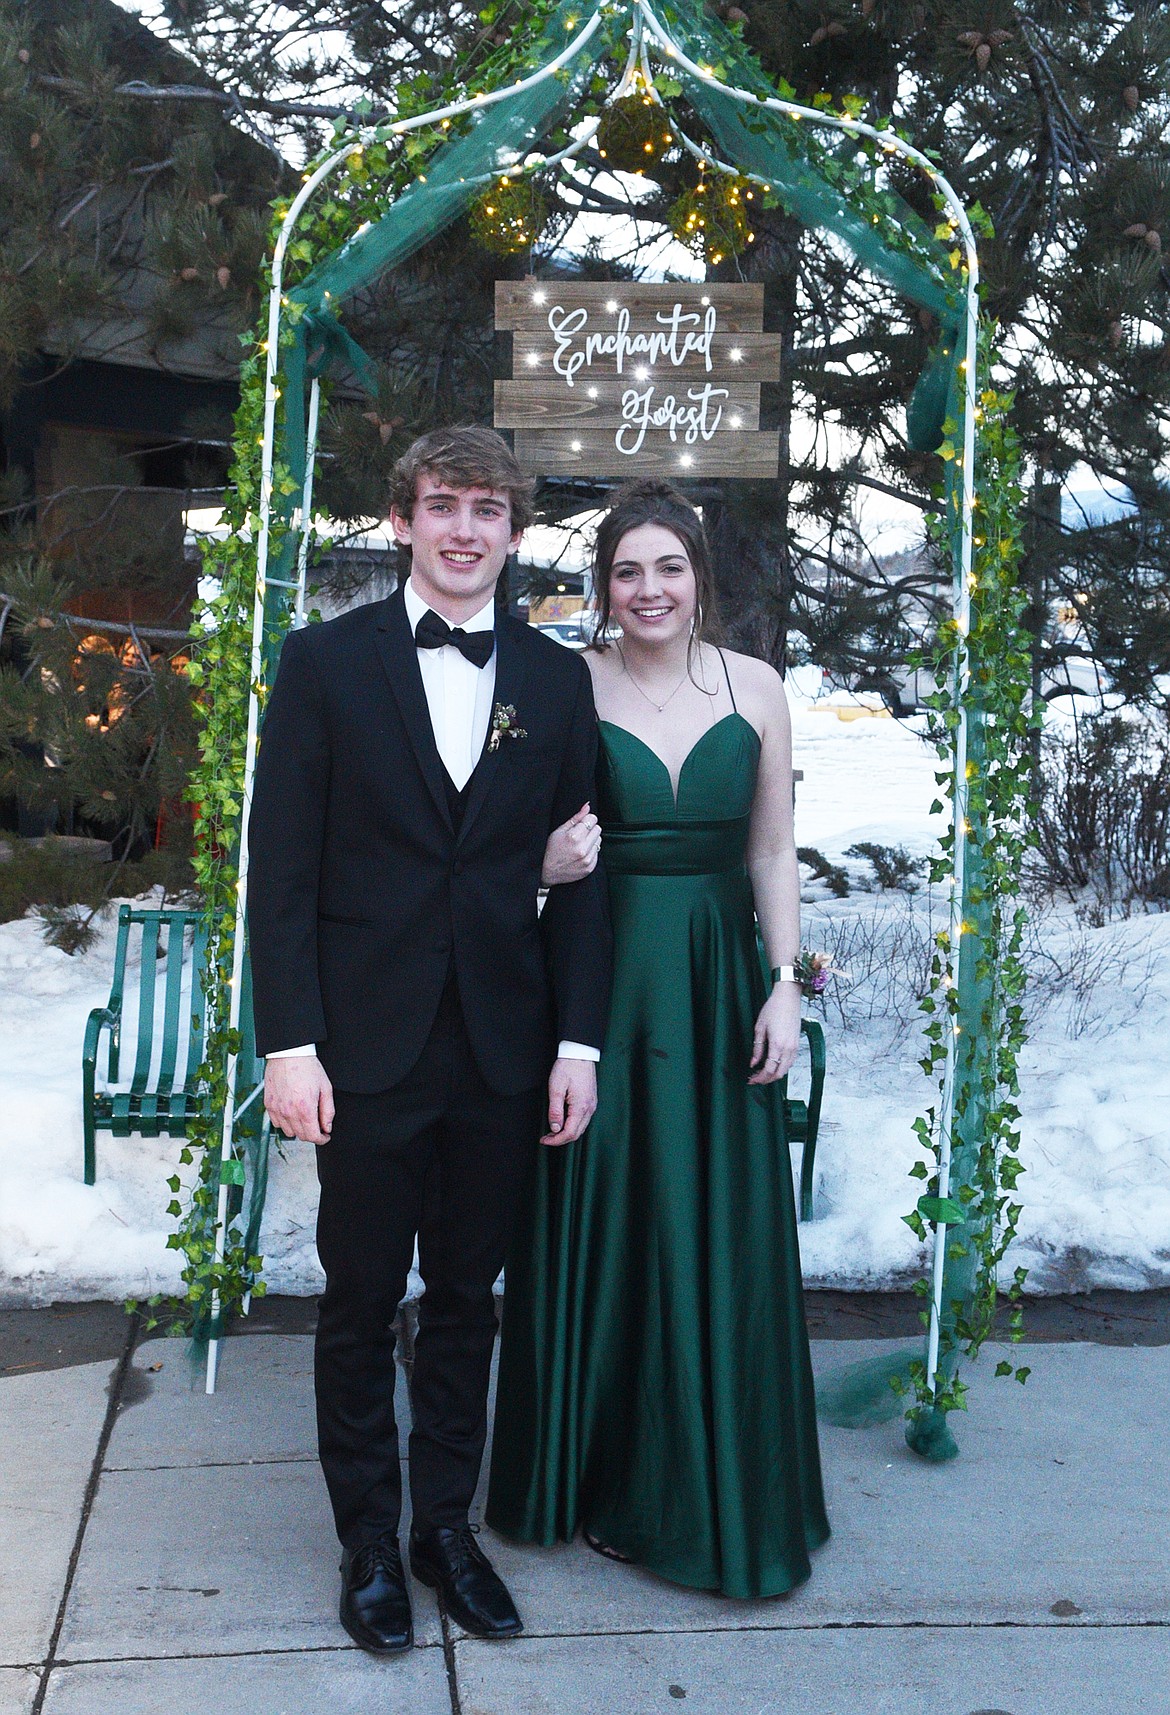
(23, 56)
(1131, 95)
(983, 55)
(224, 276)
(1116, 332)
(970, 38)
(736, 15)
(867, 7)
(188, 273)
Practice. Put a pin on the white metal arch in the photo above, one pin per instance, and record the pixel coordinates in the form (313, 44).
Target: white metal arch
(644, 23)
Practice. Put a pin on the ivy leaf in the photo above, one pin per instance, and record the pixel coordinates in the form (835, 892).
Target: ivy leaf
(943, 1211)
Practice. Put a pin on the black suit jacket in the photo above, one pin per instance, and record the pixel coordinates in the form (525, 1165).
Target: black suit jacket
(360, 889)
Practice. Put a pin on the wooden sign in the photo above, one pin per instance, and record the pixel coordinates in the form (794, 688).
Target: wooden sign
(620, 379)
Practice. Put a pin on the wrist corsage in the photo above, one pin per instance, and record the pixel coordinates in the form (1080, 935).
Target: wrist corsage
(812, 971)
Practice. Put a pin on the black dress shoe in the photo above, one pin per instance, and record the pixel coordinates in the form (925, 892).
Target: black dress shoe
(375, 1604)
(475, 1597)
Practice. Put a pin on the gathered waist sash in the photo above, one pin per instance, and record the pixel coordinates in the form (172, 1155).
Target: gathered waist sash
(676, 848)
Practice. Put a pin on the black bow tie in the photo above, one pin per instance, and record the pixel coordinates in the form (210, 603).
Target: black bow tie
(433, 632)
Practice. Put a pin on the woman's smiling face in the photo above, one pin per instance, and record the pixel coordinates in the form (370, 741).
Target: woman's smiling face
(652, 590)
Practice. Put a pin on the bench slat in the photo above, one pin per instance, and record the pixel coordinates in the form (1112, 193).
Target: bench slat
(198, 1010)
(150, 929)
(176, 939)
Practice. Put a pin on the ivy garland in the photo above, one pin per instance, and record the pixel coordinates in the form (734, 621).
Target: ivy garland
(368, 182)
(373, 175)
(999, 835)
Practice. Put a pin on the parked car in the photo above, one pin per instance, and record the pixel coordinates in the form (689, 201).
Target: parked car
(566, 631)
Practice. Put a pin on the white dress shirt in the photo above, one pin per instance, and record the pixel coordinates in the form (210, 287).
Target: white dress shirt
(459, 694)
(459, 697)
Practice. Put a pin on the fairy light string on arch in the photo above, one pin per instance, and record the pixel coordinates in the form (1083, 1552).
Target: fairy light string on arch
(393, 186)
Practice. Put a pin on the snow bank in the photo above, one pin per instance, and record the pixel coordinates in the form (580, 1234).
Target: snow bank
(1096, 1093)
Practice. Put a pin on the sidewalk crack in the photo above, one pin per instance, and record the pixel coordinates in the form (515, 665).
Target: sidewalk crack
(116, 1389)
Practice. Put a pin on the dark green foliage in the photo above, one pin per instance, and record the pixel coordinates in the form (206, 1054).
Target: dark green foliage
(48, 877)
(103, 195)
(835, 878)
(124, 224)
(893, 866)
(1053, 120)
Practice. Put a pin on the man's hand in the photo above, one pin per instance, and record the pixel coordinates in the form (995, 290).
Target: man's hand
(571, 852)
(572, 1097)
(299, 1097)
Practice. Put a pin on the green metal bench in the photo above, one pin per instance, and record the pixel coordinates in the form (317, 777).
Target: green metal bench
(163, 1093)
(804, 1118)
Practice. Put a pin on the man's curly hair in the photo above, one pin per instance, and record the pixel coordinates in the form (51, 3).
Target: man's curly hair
(469, 456)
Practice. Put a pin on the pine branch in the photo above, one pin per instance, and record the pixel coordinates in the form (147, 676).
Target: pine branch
(228, 101)
(132, 631)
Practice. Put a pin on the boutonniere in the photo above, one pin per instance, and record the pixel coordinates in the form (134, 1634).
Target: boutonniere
(504, 725)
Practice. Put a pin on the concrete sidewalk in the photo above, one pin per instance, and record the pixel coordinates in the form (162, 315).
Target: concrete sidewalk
(168, 1554)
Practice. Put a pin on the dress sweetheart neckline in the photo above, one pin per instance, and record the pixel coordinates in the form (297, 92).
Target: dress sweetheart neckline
(734, 715)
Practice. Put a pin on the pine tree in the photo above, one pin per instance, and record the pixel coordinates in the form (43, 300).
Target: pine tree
(115, 213)
(1053, 117)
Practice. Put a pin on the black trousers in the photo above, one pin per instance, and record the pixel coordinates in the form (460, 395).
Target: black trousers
(440, 1155)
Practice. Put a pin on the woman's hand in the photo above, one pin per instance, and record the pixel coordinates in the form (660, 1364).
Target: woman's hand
(777, 1037)
(571, 852)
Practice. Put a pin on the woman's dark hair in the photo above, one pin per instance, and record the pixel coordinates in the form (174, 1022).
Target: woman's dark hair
(651, 501)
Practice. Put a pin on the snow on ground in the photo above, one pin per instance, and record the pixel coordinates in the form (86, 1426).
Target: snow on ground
(1096, 1079)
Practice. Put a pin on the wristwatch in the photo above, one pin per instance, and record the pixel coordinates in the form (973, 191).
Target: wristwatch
(785, 974)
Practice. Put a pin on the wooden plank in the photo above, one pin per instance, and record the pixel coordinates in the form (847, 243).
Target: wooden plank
(546, 403)
(591, 452)
(740, 307)
(758, 359)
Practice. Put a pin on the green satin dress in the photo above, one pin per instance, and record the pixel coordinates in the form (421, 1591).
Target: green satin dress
(655, 1386)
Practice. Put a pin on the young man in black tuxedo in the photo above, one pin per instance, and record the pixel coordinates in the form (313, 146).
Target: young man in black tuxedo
(416, 755)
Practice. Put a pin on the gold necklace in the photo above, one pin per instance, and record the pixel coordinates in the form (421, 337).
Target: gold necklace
(646, 694)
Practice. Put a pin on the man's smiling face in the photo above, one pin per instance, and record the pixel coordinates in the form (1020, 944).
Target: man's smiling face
(459, 540)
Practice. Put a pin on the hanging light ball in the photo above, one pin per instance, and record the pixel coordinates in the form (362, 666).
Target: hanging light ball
(714, 220)
(633, 134)
(509, 217)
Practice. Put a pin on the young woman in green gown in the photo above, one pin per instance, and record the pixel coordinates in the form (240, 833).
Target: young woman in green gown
(655, 1389)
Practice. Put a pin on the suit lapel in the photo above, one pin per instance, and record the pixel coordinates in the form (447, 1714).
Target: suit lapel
(400, 660)
(511, 682)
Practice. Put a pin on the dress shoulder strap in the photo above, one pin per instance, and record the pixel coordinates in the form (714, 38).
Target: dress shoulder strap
(727, 676)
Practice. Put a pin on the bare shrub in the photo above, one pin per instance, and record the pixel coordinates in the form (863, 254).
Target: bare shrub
(1103, 818)
(1086, 974)
(887, 953)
